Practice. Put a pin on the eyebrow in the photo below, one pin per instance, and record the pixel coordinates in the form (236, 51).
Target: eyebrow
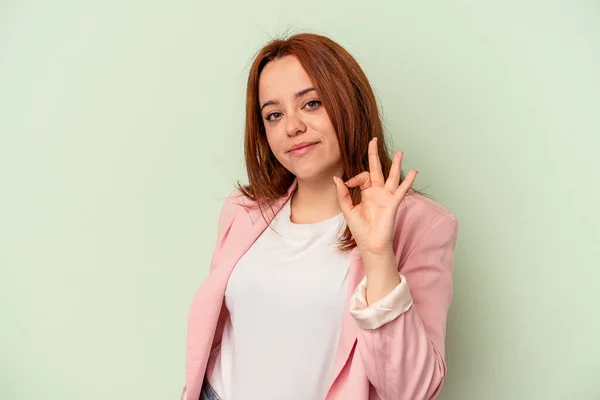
(296, 95)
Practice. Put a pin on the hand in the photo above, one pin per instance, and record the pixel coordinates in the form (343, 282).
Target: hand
(372, 220)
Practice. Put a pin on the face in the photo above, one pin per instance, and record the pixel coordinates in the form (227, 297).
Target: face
(299, 131)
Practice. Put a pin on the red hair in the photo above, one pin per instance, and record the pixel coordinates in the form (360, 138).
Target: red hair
(350, 104)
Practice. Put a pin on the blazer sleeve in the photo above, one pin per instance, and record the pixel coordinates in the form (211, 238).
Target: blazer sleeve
(404, 356)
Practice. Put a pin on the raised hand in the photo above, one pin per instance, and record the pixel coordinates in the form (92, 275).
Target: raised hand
(372, 220)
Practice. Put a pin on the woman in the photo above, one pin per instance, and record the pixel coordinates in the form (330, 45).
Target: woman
(345, 296)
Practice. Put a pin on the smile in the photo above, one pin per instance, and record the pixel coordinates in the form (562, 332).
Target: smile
(303, 149)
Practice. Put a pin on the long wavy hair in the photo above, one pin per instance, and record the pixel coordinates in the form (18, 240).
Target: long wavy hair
(351, 106)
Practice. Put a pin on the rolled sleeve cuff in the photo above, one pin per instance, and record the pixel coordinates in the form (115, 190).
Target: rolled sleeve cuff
(383, 311)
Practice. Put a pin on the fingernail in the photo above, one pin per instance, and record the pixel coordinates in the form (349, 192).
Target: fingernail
(334, 181)
(345, 183)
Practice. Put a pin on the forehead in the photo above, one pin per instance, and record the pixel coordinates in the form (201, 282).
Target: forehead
(282, 78)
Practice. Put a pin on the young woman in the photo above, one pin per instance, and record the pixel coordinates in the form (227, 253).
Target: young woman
(331, 277)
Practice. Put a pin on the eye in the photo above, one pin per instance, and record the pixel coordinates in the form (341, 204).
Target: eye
(313, 104)
(273, 116)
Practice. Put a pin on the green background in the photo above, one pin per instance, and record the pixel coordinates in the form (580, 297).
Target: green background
(121, 134)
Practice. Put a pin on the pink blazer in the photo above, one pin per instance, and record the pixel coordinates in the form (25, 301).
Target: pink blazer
(401, 360)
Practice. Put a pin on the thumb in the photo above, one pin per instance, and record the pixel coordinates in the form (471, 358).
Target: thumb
(343, 195)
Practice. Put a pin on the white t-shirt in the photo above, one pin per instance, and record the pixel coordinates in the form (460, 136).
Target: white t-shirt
(286, 301)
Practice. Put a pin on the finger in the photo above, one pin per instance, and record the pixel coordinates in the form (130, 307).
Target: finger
(375, 164)
(343, 195)
(406, 185)
(363, 180)
(394, 178)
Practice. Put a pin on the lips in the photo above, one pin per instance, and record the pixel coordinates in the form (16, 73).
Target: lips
(301, 146)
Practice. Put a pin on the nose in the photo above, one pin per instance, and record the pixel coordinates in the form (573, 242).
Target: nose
(294, 125)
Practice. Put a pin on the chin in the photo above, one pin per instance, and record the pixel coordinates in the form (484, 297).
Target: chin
(313, 174)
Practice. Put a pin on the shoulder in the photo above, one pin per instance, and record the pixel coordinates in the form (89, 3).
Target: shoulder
(420, 217)
(238, 207)
(230, 208)
(421, 210)
(235, 199)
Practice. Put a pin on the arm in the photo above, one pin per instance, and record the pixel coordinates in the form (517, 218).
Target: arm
(401, 336)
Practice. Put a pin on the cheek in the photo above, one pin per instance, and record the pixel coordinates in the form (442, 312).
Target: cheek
(274, 142)
(271, 136)
(326, 127)
(334, 143)
(331, 135)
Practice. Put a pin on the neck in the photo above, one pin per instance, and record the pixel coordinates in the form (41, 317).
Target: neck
(314, 201)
